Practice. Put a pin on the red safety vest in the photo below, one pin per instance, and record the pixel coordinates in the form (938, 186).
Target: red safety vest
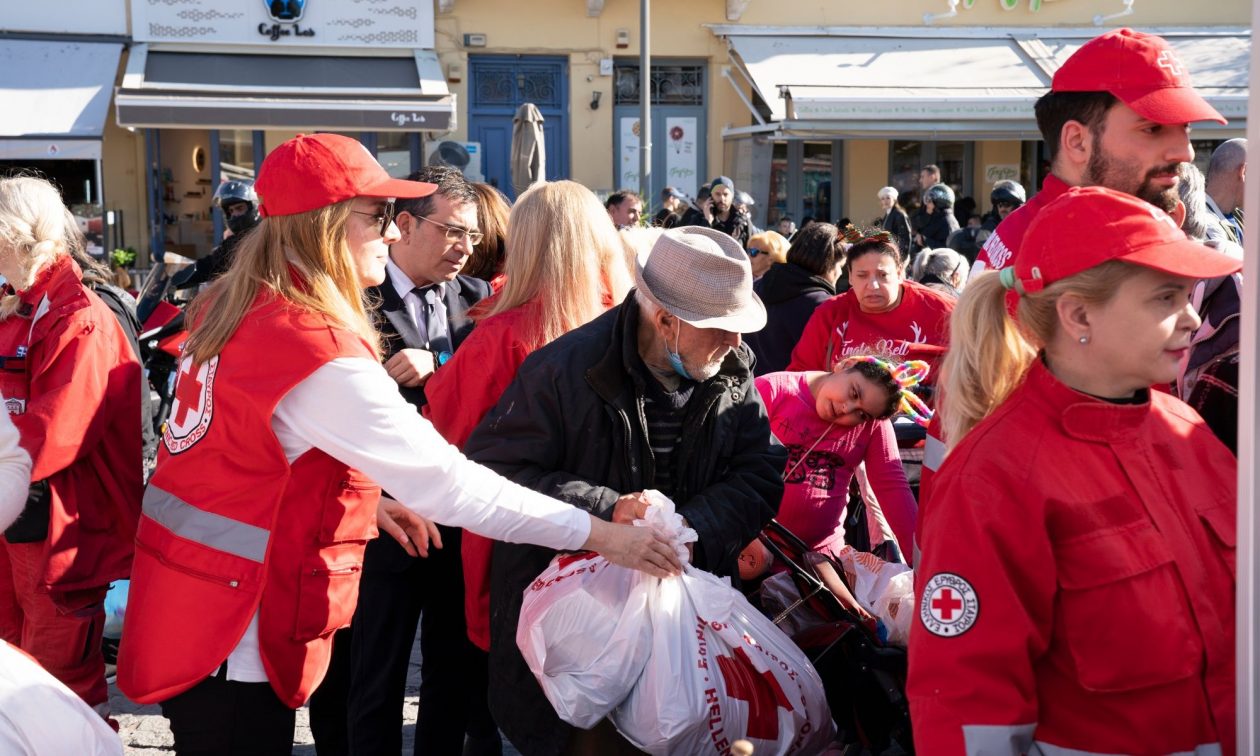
(231, 529)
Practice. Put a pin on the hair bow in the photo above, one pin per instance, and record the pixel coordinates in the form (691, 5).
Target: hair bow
(851, 233)
(906, 375)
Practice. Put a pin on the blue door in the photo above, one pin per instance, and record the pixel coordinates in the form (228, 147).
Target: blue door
(498, 85)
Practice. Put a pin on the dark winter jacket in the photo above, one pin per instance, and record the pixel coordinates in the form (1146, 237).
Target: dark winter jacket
(939, 226)
(571, 425)
(896, 223)
(790, 294)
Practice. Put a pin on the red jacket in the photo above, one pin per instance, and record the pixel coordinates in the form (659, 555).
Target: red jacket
(1002, 246)
(231, 529)
(916, 329)
(459, 395)
(71, 383)
(1076, 585)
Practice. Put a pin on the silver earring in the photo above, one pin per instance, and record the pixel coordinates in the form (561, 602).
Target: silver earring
(1084, 339)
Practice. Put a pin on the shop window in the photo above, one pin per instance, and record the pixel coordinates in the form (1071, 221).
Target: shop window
(816, 181)
(1203, 149)
(671, 84)
(236, 154)
(393, 152)
(906, 158)
(778, 204)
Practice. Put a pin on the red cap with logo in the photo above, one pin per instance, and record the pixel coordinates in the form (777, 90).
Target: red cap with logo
(1142, 71)
(311, 171)
(1088, 226)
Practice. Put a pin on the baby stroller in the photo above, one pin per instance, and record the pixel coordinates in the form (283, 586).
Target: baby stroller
(864, 679)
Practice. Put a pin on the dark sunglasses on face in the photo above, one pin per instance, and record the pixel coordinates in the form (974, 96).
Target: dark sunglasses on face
(384, 217)
(753, 251)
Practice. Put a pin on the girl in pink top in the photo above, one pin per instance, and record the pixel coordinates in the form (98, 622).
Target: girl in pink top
(832, 422)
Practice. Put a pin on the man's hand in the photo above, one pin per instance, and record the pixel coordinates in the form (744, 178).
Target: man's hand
(413, 532)
(630, 507)
(411, 367)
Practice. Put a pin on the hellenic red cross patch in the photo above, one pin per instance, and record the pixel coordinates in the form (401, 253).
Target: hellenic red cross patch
(193, 406)
(949, 605)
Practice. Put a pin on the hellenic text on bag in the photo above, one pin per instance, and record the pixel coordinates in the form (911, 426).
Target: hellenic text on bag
(720, 671)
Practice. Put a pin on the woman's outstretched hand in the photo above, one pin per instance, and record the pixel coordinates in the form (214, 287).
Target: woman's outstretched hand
(634, 547)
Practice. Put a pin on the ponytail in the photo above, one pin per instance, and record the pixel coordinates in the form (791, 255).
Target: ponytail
(987, 358)
(990, 353)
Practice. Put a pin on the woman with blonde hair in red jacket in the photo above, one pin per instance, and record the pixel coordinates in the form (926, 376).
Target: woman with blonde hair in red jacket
(565, 266)
(1076, 582)
(71, 383)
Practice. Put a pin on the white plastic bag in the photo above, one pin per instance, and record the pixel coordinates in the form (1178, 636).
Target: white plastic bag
(719, 671)
(885, 589)
(583, 628)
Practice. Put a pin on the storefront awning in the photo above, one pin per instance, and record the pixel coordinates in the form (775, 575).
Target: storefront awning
(166, 89)
(54, 96)
(976, 82)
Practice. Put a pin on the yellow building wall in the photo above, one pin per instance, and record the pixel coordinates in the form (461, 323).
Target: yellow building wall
(865, 173)
(122, 170)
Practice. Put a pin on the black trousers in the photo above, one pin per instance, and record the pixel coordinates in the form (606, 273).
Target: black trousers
(217, 717)
(367, 679)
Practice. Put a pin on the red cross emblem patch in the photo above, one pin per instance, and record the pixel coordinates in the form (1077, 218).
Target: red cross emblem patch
(193, 406)
(949, 605)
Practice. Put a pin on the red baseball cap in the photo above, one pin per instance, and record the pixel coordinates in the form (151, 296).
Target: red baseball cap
(1087, 226)
(311, 171)
(1142, 70)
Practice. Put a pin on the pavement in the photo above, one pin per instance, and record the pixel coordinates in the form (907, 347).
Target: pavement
(145, 732)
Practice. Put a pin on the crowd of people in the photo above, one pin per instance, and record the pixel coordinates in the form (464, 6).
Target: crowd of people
(401, 399)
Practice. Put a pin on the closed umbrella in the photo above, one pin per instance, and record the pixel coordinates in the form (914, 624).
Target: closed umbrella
(529, 152)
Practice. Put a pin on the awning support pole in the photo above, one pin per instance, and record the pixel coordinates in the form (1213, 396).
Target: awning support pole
(726, 74)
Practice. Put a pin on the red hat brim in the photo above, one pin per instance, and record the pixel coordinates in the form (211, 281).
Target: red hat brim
(399, 189)
(1186, 258)
(1170, 105)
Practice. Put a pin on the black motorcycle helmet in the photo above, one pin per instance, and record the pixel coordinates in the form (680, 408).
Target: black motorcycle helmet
(941, 196)
(237, 192)
(1008, 193)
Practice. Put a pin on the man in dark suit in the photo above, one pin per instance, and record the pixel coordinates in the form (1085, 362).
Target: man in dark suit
(423, 318)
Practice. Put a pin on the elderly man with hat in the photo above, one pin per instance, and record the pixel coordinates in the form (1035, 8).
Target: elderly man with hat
(657, 393)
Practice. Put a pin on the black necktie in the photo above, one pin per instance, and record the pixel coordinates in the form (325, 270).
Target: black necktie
(435, 318)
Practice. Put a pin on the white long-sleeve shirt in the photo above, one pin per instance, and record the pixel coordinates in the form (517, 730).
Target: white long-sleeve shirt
(351, 410)
(15, 470)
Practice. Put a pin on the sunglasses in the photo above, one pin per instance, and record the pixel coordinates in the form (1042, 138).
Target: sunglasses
(753, 252)
(384, 217)
(456, 233)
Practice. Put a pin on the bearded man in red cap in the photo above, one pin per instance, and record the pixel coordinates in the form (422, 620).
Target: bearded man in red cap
(1117, 115)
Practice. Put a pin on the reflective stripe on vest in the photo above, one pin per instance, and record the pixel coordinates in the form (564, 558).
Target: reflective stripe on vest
(1007, 740)
(1045, 749)
(933, 453)
(206, 528)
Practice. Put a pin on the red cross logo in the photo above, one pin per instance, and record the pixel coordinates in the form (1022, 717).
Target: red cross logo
(1167, 59)
(760, 689)
(187, 392)
(946, 603)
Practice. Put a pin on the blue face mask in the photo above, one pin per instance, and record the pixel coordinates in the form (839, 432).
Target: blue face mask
(675, 359)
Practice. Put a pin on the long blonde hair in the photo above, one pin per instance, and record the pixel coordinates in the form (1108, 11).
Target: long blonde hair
(563, 253)
(314, 245)
(990, 353)
(32, 230)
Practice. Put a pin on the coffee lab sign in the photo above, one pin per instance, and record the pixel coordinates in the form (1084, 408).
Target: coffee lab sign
(326, 23)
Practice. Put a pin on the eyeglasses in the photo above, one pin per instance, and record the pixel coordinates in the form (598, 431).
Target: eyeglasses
(753, 251)
(455, 233)
(384, 217)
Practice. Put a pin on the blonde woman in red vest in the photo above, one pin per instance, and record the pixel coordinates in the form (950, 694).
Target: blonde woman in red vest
(283, 430)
